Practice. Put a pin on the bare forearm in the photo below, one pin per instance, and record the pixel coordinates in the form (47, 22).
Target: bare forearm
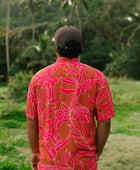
(103, 129)
(33, 135)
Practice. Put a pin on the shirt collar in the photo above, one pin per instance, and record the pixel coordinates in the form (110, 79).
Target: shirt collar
(64, 59)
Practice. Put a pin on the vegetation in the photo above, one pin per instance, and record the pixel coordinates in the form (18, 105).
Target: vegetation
(111, 40)
(121, 151)
(110, 34)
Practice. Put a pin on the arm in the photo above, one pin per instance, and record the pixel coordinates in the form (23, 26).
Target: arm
(103, 129)
(33, 137)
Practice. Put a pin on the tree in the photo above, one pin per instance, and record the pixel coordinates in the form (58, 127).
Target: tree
(7, 34)
(127, 60)
(39, 55)
(74, 5)
(31, 6)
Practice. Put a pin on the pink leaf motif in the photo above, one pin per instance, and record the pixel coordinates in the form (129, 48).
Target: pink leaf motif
(67, 91)
(62, 166)
(54, 151)
(48, 151)
(73, 98)
(73, 72)
(68, 80)
(82, 72)
(48, 135)
(91, 100)
(76, 105)
(81, 166)
(101, 97)
(75, 127)
(89, 163)
(84, 130)
(79, 78)
(73, 160)
(82, 144)
(61, 143)
(55, 101)
(65, 157)
(85, 153)
(74, 135)
(53, 145)
(49, 110)
(90, 139)
(57, 137)
(45, 96)
(51, 92)
(103, 106)
(65, 106)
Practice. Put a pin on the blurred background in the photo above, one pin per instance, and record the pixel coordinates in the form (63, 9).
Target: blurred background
(111, 43)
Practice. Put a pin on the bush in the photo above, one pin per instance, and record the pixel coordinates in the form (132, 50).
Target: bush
(96, 50)
(18, 86)
(116, 68)
(127, 64)
(133, 60)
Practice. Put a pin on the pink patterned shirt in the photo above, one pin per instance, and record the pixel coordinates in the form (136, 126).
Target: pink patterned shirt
(65, 98)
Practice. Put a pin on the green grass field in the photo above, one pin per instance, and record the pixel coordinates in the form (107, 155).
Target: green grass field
(122, 151)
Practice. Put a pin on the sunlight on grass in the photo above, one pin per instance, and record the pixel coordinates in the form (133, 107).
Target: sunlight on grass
(121, 152)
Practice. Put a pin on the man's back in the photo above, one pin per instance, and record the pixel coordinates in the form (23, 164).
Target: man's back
(65, 97)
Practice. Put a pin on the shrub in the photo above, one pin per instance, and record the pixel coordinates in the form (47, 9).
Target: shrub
(116, 68)
(133, 60)
(127, 64)
(18, 86)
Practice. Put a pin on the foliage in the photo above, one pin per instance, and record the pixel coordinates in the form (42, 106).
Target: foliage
(40, 54)
(132, 64)
(107, 28)
(96, 51)
(3, 70)
(18, 86)
(116, 68)
(50, 14)
(128, 60)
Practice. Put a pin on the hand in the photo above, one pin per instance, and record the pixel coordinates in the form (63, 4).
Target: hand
(35, 157)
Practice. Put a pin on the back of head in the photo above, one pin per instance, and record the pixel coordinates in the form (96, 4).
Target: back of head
(68, 40)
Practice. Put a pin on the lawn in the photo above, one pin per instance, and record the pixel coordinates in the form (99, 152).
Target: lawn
(122, 150)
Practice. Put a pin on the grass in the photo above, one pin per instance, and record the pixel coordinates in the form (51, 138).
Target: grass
(121, 152)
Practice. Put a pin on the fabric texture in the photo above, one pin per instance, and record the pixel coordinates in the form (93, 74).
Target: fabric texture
(65, 98)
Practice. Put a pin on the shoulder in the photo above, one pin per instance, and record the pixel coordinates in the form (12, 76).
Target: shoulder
(45, 72)
(93, 72)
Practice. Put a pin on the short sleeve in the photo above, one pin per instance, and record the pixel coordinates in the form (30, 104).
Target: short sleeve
(31, 106)
(104, 108)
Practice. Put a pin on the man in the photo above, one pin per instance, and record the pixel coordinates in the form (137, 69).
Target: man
(63, 101)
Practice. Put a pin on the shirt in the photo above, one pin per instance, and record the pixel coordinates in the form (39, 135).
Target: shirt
(65, 98)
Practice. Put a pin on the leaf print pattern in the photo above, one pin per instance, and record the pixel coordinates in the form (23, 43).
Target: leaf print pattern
(61, 117)
(65, 98)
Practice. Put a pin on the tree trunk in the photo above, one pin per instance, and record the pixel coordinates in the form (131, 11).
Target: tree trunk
(7, 35)
(77, 7)
(33, 19)
(33, 27)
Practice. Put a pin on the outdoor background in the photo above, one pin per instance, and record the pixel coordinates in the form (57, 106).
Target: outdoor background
(111, 43)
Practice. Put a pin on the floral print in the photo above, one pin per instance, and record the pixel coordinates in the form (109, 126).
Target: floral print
(65, 98)
(81, 114)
